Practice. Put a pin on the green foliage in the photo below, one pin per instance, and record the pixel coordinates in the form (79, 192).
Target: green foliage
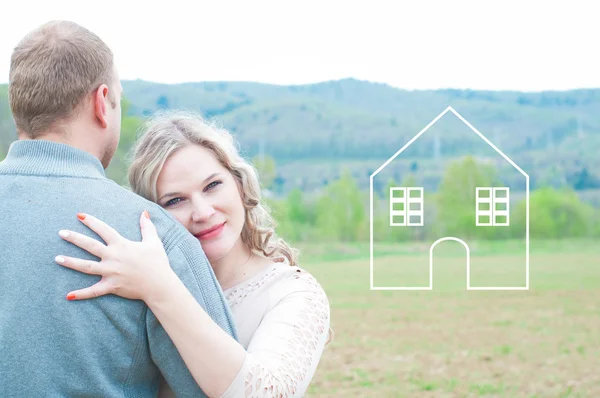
(294, 217)
(559, 214)
(129, 128)
(7, 126)
(298, 211)
(341, 212)
(458, 188)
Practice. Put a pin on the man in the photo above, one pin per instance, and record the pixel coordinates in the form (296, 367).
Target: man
(64, 94)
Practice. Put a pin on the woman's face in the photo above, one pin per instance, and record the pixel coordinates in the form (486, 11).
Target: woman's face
(203, 195)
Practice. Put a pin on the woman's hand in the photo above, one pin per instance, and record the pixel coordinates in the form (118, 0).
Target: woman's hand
(134, 270)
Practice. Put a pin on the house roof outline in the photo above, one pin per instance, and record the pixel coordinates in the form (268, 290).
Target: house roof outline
(469, 287)
(434, 121)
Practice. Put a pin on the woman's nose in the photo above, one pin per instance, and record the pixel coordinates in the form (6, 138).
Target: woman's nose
(202, 211)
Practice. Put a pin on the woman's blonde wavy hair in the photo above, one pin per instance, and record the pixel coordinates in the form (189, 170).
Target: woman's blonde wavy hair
(169, 131)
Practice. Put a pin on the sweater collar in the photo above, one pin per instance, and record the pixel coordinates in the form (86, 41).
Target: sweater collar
(49, 158)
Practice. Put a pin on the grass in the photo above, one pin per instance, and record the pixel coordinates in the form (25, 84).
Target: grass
(450, 342)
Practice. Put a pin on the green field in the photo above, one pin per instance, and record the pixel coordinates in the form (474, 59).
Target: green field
(450, 342)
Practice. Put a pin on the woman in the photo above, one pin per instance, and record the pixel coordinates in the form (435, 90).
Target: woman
(193, 170)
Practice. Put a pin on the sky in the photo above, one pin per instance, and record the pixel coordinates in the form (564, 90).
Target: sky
(520, 45)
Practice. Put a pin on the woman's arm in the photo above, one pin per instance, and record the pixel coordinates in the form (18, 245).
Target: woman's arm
(282, 356)
(283, 353)
(193, 332)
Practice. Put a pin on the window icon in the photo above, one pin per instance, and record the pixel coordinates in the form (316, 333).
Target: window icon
(406, 206)
(492, 206)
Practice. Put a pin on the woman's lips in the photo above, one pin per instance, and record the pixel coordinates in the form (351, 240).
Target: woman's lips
(211, 232)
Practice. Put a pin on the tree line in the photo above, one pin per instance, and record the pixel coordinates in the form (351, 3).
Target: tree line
(341, 211)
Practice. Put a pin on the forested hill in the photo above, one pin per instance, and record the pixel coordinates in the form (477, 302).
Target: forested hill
(358, 125)
(355, 119)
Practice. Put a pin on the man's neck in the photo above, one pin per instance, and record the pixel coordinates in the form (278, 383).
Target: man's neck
(65, 137)
(44, 157)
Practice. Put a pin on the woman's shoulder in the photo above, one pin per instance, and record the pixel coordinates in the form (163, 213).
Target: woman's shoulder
(278, 280)
(296, 287)
(296, 279)
(279, 295)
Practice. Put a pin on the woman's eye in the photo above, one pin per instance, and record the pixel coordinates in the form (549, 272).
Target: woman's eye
(213, 185)
(172, 202)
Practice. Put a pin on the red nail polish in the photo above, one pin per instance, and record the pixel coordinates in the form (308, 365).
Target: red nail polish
(81, 216)
(70, 296)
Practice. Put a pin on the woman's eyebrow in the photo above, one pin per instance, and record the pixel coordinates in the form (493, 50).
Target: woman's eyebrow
(168, 195)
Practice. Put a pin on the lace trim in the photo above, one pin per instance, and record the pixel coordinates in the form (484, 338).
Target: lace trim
(238, 294)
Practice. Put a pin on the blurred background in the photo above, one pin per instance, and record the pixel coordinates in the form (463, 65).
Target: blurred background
(319, 95)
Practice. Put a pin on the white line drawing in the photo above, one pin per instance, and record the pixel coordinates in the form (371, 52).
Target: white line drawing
(495, 198)
(493, 205)
(406, 206)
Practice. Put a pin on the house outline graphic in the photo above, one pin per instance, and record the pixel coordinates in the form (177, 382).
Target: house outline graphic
(469, 287)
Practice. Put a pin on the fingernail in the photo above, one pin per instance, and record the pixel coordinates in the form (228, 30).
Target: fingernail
(63, 234)
(81, 216)
(60, 259)
(71, 296)
(146, 214)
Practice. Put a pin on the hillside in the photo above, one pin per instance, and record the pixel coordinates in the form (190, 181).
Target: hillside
(314, 131)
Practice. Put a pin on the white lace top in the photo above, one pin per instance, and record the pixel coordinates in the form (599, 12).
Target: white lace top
(282, 317)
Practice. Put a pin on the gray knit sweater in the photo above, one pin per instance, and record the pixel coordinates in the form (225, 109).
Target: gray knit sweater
(104, 347)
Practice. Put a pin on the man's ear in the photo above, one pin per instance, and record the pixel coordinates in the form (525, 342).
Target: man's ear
(100, 104)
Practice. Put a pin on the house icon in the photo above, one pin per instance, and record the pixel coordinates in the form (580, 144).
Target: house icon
(491, 209)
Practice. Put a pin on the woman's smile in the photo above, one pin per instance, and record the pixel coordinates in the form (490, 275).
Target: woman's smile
(210, 233)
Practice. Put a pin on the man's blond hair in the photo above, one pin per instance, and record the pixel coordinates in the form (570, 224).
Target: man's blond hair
(52, 69)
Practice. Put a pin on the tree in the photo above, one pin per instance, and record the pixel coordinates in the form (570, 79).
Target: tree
(7, 126)
(583, 179)
(130, 125)
(456, 198)
(557, 214)
(340, 211)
